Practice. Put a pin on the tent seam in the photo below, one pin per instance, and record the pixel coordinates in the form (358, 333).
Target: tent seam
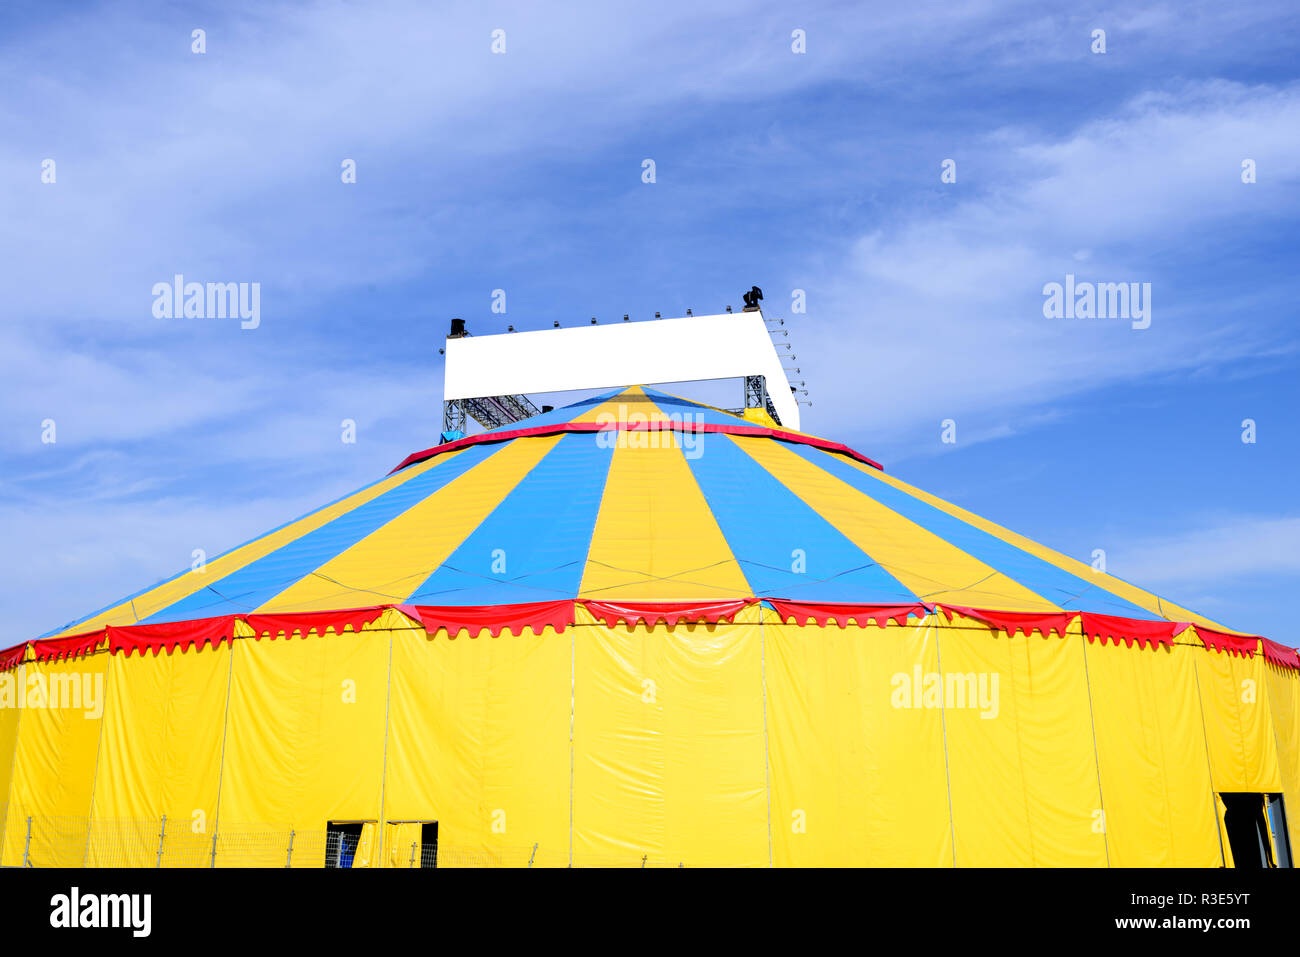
(1096, 757)
(943, 724)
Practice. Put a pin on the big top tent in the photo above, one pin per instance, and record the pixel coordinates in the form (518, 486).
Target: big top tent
(642, 630)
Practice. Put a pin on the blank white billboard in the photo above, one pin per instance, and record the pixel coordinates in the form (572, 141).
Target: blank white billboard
(725, 346)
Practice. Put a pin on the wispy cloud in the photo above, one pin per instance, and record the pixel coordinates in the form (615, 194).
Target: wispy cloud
(948, 302)
(1228, 549)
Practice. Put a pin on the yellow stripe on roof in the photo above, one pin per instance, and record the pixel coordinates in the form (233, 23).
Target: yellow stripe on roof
(655, 537)
(925, 564)
(187, 583)
(1116, 586)
(390, 563)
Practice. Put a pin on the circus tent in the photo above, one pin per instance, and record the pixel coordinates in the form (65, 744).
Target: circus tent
(639, 629)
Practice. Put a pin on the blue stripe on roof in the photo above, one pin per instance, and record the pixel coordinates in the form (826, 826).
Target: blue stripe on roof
(766, 525)
(253, 585)
(1055, 584)
(172, 578)
(542, 531)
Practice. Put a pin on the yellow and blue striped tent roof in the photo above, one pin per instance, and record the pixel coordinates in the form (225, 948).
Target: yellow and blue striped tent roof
(635, 496)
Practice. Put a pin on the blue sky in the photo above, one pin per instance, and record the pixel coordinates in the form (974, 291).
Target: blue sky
(817, 171)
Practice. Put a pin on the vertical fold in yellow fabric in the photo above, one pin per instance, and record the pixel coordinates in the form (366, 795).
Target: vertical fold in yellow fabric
(857, 751)
(669, 762)
(1023, 768)
(160, 756)
(1238, 723)
(479, 742)
(54, 762)
(1155, 777)
(304, 743)
(12, 685)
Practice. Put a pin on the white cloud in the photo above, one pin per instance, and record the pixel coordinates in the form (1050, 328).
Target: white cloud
(1223, 550)
(944, 308)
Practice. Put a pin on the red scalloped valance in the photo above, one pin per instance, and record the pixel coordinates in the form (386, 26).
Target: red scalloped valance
(1017, 621)
(1130, 630)
(56, 649)
(1283, 655)
(822, 612)
(669, 612)
(536, 615)
(12, 657)
(1233, 644)
(167, 636)
(274, 625)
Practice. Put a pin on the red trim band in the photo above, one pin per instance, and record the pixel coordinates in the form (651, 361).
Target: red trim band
(823, 612)
(57, 649)
(169, 635)
(558, 428)
(1282, 655)
(1233, 644)
(287, 624)
(13, 657)
(669, 612)
(1129, 630)
(1016, 621)
(537, 616)
(454, 619)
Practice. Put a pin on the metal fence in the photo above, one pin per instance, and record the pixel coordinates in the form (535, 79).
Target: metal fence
(28, 841)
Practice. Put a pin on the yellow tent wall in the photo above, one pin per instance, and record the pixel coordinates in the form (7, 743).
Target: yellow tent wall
(668, 745)
(1239, 726)
(751, 742)
(1024, 782)
(1151, 753)
(854, 779)
(160, 757)
(479, 741)
(10, 717)
(304, 737)
(54, 765)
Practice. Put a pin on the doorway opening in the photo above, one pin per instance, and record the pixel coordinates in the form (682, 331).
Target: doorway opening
(1257, 830)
